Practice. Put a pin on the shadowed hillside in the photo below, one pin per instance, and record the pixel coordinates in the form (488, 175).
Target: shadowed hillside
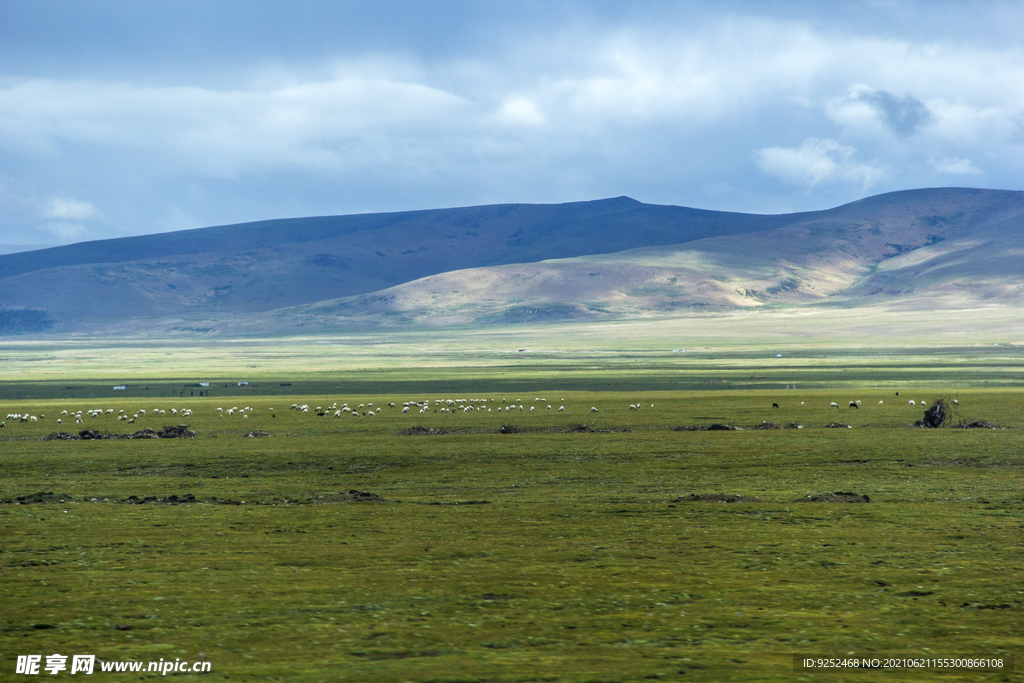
(926, 249)
(262, 266)
(523, 263)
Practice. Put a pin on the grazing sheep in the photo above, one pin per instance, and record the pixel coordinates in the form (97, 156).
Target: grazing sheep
(833, 404)
(561, 409)
(853, 404)
(911, 403)
(593, 409)
(775, 405)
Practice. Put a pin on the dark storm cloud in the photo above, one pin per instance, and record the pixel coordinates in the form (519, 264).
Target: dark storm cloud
(904, 115)
(120, 117)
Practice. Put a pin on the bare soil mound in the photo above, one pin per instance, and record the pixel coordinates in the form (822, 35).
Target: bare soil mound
(978, 424)
(716, 427)
(716, 498)
(420, 430)
(168, 432)
(837, 497)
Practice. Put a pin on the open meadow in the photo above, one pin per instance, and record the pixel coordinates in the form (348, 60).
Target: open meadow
(508, 544)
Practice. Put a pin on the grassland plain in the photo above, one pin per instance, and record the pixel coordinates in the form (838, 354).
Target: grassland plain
(553, 551)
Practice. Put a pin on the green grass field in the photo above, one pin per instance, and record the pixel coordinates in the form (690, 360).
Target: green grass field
(556, 552)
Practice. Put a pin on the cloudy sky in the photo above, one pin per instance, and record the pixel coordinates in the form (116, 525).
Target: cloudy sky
(125, 118)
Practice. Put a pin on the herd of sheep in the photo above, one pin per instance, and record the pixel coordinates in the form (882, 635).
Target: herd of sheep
(448, 405)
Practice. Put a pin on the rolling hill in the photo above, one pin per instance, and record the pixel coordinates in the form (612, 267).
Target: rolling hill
(500, 264)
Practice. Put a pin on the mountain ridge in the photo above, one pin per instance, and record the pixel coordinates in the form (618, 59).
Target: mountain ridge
(522, 262)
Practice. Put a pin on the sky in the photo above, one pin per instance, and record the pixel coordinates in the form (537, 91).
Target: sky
(123, 118)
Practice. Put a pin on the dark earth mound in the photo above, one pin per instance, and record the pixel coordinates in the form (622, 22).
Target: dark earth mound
(837, 497)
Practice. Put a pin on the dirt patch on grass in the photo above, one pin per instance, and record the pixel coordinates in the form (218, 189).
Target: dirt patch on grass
(837, 497)
(420, 430)
(41, 497)
(837, 425)
(716, 498)
(715, 427)
(259, 433)
(977, 424)
(352, 496)
(168, 432)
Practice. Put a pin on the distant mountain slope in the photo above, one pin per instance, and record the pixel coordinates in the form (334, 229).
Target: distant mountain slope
(938, 247)
(508, 263)
(272, 264)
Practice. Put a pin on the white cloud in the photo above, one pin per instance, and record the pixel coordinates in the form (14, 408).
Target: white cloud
(664, 105)
(67, 209)
(955, 166)
(523, 111)
(815, 162)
